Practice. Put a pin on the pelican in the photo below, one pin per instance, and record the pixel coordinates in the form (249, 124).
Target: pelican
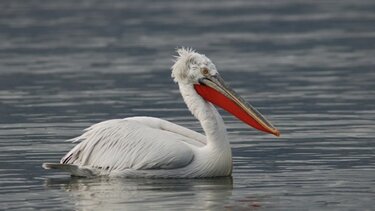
(152, 147)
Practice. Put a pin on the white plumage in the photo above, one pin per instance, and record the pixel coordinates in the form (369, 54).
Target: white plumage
(152, 147)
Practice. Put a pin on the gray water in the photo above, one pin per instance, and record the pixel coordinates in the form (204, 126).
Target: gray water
(307, 65)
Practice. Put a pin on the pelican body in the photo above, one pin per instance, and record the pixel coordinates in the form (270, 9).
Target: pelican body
(153, 147)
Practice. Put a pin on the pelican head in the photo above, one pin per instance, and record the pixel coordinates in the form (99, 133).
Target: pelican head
(192, 68)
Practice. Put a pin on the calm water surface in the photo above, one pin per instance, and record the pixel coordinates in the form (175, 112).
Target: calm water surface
(309, 67)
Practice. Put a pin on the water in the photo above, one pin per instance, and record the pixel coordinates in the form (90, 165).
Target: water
(308, 66)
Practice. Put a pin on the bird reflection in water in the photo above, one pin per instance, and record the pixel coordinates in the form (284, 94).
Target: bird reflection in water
(141, 193)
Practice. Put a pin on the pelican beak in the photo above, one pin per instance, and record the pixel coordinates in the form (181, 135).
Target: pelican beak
(214, 90)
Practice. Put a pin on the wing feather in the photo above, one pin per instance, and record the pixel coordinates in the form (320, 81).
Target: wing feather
(127, 143)
(193, 137)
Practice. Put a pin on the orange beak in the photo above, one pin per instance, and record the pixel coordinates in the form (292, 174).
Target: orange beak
(214, 90)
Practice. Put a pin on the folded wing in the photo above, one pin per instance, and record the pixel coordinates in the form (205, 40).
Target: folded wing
(134, 143)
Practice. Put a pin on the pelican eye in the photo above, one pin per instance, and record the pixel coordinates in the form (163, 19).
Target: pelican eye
(205, 71)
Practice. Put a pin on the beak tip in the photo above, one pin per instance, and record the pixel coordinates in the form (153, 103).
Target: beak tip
(277, 133)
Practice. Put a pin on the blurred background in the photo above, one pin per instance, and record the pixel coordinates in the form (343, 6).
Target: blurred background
(307, 65)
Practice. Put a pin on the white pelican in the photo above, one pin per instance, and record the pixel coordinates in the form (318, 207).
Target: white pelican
(152, 147)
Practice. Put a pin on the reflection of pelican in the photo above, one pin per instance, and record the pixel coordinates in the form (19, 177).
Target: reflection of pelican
(143, 194)
(151, 147)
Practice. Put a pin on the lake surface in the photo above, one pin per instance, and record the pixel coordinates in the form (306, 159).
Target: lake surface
(308, 66)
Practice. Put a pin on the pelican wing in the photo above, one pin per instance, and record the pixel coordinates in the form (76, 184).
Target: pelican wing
(192, 137)
(134, 143)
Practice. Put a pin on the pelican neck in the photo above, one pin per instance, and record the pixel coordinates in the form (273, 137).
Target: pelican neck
(208, 116)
